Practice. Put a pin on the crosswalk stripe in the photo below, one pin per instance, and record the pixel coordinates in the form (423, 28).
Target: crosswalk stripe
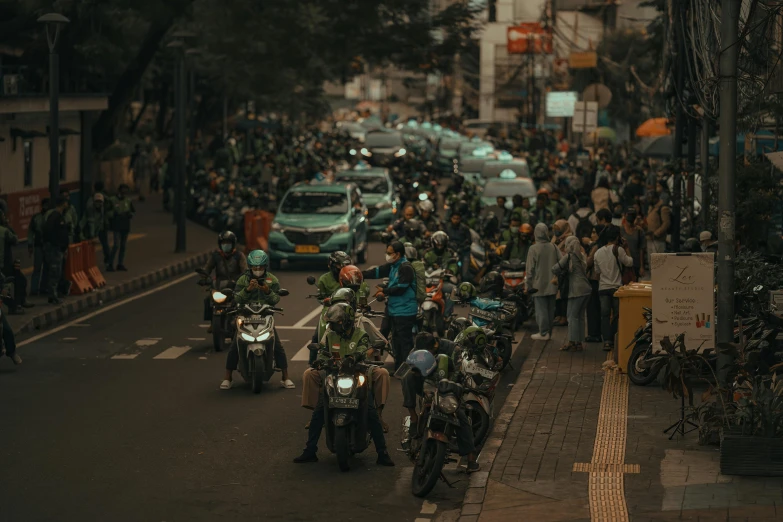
(125, 356)
(172, 353)
(303, 354)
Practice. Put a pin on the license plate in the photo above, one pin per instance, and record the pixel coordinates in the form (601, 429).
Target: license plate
(307, 249)
(343, 402)
(513, 275)
(255, 318)
(482, 314)
(475, 369)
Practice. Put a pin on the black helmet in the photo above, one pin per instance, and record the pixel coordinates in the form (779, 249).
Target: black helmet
(440, 240)
(492, 282)
(691, 245)
(344, 295)
(340, 318)
(463, 209)
(337, 261)
(227, 237)
(456, 326)
(491, 225)
(412, 228)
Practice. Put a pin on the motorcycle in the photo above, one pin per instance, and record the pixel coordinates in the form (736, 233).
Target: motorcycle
(220, 303)
(324, 300)
(480, 381)
(513, 272)
(498, 325)
(255, 339)
(433, 309)
(429, 450)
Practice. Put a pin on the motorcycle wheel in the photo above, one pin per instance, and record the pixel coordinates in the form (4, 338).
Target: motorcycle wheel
(341, 447)
(636, 374)
(257, 370)
(427, 474)
(218, 335)
(505, 349)
(479, 421)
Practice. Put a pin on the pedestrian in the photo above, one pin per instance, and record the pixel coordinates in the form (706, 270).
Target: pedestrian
(35, 248)
(103, 233)
(542, 214)
(541, 257)
(142, 171)
(608, 261)
(582, 221)
(122, 213)
(561, 232)
(597, 240)
(633, 234)
(401, 307)
(55, 246)
(94, 223)
(71, 219)
(659, 219)
(573, 266)
(8, 340)
(602, 195)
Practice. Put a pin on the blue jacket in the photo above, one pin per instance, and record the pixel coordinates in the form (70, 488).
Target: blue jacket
(401, 291)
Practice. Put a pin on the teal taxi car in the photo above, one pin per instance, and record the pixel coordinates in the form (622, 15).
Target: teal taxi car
(508, 184)
(314, 220)
(378, 193)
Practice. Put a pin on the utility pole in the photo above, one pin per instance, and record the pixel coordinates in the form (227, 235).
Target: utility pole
(729, 28)
(179, 144)
(705, 172)
(679, 123)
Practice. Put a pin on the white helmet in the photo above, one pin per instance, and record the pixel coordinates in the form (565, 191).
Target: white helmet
(426, 206)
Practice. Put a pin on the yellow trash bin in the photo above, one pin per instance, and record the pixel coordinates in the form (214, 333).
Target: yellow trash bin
(633, 298)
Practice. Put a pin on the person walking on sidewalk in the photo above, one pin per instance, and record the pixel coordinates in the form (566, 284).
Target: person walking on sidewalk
(573, 265)
(55, 246)
(122, 213)
(35, 248)
(659, 220)
(71, 219)
(94, 223)
(609, 260)
(8, 344)
(541, 257)
(106, 214)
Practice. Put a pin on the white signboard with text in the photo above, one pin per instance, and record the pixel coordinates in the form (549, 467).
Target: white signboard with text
(683, 299)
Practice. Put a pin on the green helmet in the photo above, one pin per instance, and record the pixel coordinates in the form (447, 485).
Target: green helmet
(344, 295)
(472, 338)
(257, 258)
(466, 291)
(340, 318)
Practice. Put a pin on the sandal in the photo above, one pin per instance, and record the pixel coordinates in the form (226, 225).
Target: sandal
(578, 347)
(566, 347)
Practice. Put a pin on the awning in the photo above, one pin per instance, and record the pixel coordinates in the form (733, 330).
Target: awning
(27, 134)
(776, 158)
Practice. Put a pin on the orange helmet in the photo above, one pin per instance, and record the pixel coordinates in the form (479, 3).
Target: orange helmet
(351, 277)
(526, 229)
(542, 192)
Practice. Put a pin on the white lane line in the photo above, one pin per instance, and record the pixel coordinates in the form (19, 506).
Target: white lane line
(303, 354)
(104, 310)
(68, 339)
(172, 353)
(428, 508)
(203, 358)
(203, 326)
(125, 356)
(309, 317)
(197, 338)
(147, 342)
(81, 325)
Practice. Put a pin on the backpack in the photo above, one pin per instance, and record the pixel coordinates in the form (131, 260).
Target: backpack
(421, 281)
(584, 227)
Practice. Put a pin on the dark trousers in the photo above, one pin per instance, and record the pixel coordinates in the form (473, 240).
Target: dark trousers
(37, 281)
(319, 417)
(103, 237)
(120, 241)
(54, 259)
(402, 337)
(20, 287)
(9, 342)
(610, 312)
(232, 357)
(594, 312)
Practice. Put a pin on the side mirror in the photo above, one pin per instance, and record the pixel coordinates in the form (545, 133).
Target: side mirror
(203, 282)
(313, 347)
(283, 292)
(229, 292)
(310, 280)
(381, 298)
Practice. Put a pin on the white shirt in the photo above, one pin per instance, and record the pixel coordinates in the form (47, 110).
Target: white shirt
(573, 219)
(608, 268)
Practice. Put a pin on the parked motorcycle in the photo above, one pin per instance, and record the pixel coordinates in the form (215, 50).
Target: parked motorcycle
(480, 380)
(513, 272)
(433, 309)
(221, 304)
(499, 327)
(255, 339)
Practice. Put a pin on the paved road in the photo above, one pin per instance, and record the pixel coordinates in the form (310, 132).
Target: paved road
(118, 416)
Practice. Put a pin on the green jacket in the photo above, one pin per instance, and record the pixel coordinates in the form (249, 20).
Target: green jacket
(122, 213)
(7, 239)
(243, 296)
(356, 346)
(524, 214)
(444, 370)
(515, 247)
(447, 259)
(35, 230)
(327, 284)
(72, 220)
(93, 222)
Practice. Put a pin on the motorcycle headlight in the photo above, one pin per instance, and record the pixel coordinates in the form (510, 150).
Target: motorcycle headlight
(366, 152)
(352, 152)
(247, 337)
(448, 404)
(219, 297)
(345, 385)
(400, 153)
(263, 337)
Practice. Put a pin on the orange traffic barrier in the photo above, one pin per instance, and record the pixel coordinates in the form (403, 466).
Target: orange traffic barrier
(258, 224)
(90, 266)
(74, 270)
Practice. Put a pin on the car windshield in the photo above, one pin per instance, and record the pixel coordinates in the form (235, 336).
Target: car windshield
(353, 127)
(315, 203)
(523, 187)
(449, 144)
(368, 184)
(383, 140)
(493, 170)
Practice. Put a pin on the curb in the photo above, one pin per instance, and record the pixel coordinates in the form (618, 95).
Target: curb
(473, 502)
(79, 304)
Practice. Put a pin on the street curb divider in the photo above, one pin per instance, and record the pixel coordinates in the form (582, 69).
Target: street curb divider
(76, 305)
(473, 502)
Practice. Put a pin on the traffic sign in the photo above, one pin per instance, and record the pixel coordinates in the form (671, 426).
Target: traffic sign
(585, 120)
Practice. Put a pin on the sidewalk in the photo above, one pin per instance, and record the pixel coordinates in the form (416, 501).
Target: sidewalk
(150, 259)
(577, 442)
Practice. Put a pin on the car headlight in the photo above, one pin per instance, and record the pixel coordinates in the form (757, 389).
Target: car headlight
(264, 337)
(247, 337)
(366, 152)
(219, 297)
(277, 227)
(341, 228)
(383, 204)
(400, 153)
(448, 404)
(352, 152)
(344, 385)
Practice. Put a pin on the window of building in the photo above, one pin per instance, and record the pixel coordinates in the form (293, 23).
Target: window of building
(63, 157)
(28, 162)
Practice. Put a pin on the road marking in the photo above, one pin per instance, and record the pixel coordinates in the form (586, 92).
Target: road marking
(172, 353)
(303, 354)
(428, 508)
(203, 358)
(81, 325)
(309, 317)
(69, 338)
(197, 338)
(203, 326)
(104, 310)
(125, 356)
(422, 520)
(147, 342)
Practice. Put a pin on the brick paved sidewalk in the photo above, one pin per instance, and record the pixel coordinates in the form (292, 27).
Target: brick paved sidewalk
(577, 442)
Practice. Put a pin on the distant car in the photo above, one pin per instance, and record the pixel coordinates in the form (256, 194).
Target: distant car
(314, 220)
(492, 169)
(507, 187)
(383, 148)
(354, 130)
(447, 154)
(378, 194)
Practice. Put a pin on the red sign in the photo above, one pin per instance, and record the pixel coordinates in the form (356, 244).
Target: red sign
(22, 206)
(529, 38)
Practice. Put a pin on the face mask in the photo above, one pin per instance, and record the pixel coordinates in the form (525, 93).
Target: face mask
(558, 232)
(226, 248)
(258, 272)
(390, 258)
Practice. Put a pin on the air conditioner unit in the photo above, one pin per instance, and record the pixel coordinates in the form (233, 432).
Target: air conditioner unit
(11, 84)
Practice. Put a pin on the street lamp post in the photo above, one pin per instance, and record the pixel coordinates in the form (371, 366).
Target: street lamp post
(180, 206)
(54, 23)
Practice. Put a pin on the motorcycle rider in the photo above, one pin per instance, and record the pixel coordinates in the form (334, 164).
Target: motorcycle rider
(439, 256)
(492, 285)
(428, 218)
(330, 281)
(351, 277)
(228, 263)
(413, 234)
(519, 243)
(460, 240)
(428, 367)
(349, 343)
(257, 285)
(408, 213)
(542, 214)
